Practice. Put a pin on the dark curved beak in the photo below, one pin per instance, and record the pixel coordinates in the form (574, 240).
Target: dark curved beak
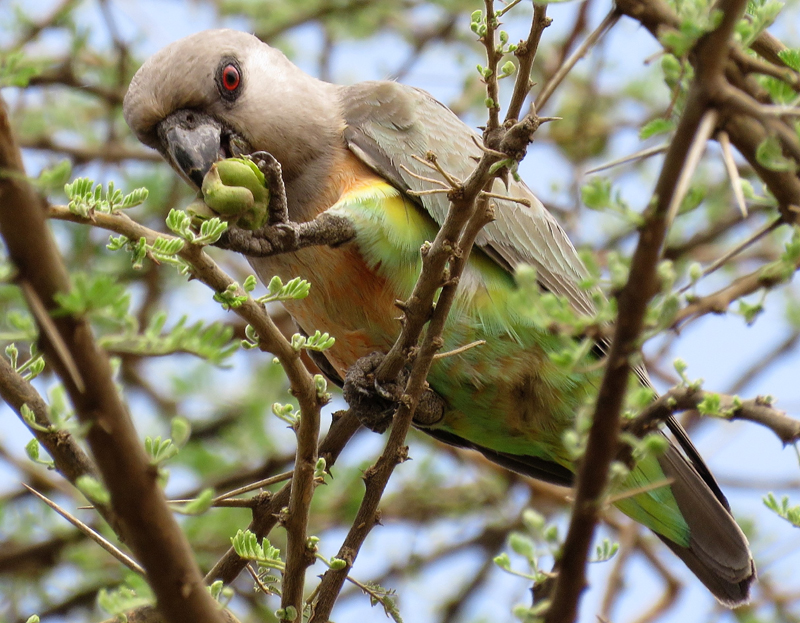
(191, 142)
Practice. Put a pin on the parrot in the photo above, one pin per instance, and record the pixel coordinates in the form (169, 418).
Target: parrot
(355, 152)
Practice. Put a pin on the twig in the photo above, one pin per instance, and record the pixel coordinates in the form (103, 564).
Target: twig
(69, 458)
(719, 301)
(719, 262)
(265, 518)
(682, 398)
(89, 532)
(547, 91)
(467, 215)
(493, 60)
(526, 54)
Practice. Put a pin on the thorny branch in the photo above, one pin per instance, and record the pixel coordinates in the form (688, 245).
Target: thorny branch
(69, 458)
(711, 52)
(147, 523)
(442, 264)
(270, 340)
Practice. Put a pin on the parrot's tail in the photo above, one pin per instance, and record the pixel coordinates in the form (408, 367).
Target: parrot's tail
(690, 513)
(717, 551)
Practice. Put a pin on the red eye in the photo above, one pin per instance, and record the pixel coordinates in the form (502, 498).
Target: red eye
(230, 77)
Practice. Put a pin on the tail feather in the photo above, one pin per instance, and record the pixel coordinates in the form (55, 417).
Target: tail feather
(718, 552)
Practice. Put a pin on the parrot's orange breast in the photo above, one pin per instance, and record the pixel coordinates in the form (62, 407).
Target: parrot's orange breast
(348, 299)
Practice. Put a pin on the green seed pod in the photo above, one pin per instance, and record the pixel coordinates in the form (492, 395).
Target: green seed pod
(236, 188)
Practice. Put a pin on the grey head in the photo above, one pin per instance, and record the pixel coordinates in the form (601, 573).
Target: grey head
(219, 93)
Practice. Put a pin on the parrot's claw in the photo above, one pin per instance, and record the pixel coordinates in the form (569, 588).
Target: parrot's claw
(375, 403)
(264, 161)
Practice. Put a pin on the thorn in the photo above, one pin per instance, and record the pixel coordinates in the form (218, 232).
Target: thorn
(62, 353)
(733, 171)
(639, 155)
(89, 532)
(704, 131)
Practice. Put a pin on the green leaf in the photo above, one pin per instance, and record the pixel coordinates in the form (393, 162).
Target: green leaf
(791, 58)
(770, 155)
(133, 594)
(16, 70)
(655, 127)
(93, 489)
(605, 551)
(782, 509)
(710, 405)
(199, 505)
(180, 430)
(160, 450)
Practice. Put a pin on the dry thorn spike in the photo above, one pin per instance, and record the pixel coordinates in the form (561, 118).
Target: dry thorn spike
(432, 191)
(608, 22)
(423, 178)
(520, 200)
(427, 163)
(262, 587)
(254, 485)
(704, 131)
(48, 327)
(432, 161)
(94, 536)
(658, 484)
(733, 172)
(492, 152)
(639, 155)
(791, 109)
(459, 350)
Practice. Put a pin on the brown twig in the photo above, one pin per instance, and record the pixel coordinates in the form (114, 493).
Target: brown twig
(467, 215)
(265, 518)
(303, 388)
(683, 398)
(719, 301)
(69, 458)
(549, 88)
(526, 53)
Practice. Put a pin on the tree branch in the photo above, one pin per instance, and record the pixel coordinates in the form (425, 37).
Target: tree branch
(683, 398)
(148, 525)
(711, 52)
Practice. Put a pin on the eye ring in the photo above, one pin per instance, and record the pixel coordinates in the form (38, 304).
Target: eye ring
(231, 77)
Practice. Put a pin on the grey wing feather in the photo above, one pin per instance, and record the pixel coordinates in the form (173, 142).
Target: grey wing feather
(388, 123)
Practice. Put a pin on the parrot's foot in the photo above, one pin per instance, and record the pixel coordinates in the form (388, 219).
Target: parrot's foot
(278, 209)
(374, 404)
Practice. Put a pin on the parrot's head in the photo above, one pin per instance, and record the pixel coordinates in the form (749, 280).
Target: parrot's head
(222, 93)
